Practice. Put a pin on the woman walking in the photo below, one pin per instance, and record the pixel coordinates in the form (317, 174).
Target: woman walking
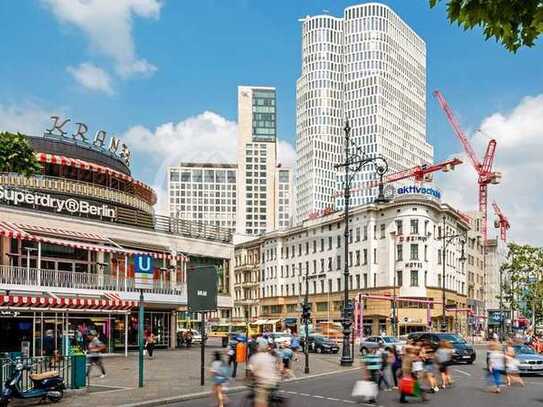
(496, 365)
(150, 344)
(219, 375)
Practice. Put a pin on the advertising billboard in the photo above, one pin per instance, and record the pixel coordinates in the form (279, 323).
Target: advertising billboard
(202, 289)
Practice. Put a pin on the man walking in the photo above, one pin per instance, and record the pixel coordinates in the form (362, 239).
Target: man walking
(96, 348)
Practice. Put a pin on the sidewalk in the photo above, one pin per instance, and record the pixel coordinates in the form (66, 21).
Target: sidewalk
(171, 373)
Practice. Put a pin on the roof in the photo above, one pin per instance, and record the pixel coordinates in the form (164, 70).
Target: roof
(207, 165)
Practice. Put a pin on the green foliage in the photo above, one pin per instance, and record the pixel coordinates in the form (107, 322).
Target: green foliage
(16, 155)
(523, 278)
(514, 23)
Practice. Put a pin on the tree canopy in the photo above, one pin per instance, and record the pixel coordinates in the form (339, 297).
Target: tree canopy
(16, 155)
(514, 23)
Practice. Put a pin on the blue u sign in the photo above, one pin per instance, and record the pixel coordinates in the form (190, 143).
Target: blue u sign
(143, 264)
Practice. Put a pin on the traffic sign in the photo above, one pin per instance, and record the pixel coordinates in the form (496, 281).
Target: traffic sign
(143, 271)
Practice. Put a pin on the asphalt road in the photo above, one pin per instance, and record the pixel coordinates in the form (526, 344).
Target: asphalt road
(469, 390)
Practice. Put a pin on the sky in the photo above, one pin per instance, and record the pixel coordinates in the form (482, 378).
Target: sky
(163, 76)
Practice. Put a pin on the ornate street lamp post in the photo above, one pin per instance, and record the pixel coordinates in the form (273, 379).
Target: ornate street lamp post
(355, 160)
(447, 239)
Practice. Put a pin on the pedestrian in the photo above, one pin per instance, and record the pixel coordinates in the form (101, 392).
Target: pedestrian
(265, 373)
(512, 365)
(496, 366)
(219, 376)
(188, 338)
(396, 365)
(295, 346)
(385, 375)
(371, 371)
(286, 357)
(150, 341)
(428, 360)
(232, 360)
(95, 350)
(443, 359)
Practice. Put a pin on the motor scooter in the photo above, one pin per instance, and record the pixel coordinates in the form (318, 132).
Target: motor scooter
(47, 385)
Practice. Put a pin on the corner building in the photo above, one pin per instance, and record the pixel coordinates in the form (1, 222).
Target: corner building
(369, 68)
(69, 240)
(393, 248)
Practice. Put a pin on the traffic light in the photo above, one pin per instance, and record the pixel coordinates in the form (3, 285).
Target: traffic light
(306, 312)
(349, 310)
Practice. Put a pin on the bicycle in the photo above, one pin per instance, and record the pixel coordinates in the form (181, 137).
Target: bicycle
(274, 400)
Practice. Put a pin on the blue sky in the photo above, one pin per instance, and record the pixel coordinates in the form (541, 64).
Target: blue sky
(198, 52)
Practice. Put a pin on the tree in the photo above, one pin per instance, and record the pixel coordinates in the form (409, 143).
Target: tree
(16, 155)
(514, 23)
(523, 279)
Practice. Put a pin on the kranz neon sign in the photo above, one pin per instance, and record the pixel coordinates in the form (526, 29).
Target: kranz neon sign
(414, 189)
(114, 147)
(70, 205)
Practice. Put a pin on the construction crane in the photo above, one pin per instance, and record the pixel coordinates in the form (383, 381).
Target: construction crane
(484, 169)
(502, 222)
(421, 173)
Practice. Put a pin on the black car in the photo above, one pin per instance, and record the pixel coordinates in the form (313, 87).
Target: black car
(321, 344)
(462, 350)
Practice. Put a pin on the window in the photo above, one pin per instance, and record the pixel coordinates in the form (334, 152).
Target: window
(314, 246)
(350, 259)
(399, 227)
(374, 232)
(399, 252)
(425, 252)
(399, 278)
(322, 306)
(329, 264)
(357, 234)
(339, 284)
(322, 245)
(382, 227)
(414, 278)
(358, 257)
(358, 281)
(414, 226)
(365, 252)
(365, 280)
(329, 242)
(365, 232)
(350, 235)
(414, 251)
(374, 256)
(338, 262)
(439, 255)
(338, 242)
(322, 265)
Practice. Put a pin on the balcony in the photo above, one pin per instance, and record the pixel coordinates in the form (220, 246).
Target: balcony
(19, 278)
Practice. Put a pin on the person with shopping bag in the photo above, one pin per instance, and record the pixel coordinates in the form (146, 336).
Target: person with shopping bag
(367, 389)
(409, 385)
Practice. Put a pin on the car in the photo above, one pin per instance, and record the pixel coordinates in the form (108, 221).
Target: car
(530, 362)
(196, 335)
(321, 344)
(280, 337)
(463, 351)
(374, 342)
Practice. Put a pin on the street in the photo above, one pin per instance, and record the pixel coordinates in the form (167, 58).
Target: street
(469, 390)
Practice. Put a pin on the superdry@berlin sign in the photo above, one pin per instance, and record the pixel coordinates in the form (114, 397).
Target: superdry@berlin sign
(79, 134)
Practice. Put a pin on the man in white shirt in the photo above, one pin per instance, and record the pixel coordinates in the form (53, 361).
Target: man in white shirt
(264, 367)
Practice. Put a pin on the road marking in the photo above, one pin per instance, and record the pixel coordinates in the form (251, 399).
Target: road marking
(317, 396)
(332, 399)
(463, 372)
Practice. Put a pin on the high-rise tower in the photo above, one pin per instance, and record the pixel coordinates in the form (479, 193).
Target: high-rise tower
(368, 67)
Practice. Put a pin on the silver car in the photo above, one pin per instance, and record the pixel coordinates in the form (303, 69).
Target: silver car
(374, 342)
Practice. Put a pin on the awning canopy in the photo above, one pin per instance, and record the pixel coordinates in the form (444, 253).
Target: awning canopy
(74, 239)
(65, 303)
(73, 162)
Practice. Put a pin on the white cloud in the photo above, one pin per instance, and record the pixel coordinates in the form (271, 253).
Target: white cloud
(205, 138)
(519, 137)
(92, 77)
(108, 26)
(29, 119)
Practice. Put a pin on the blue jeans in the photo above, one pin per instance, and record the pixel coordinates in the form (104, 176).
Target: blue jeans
(496, 377)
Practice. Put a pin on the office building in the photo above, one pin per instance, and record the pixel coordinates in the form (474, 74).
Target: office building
(368, 67)
(205, 193)
(283, 198)
(257, 160)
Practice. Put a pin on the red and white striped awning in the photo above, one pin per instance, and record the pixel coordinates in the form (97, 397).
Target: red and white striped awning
(16, 231)
(11, 230)
(94, 237)
(74, 162)
(65, 303)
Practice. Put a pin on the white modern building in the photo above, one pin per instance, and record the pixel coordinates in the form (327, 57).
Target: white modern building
(368, 67)
(257, 160)
(204, 192)
(284, 198)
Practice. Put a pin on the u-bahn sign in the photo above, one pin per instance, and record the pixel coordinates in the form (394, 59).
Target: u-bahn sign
(202, 289)
(143, 272)
(101, 142)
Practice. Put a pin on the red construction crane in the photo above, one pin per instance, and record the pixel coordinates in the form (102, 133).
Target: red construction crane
(502, 222)
(484, 169)
(420, 173)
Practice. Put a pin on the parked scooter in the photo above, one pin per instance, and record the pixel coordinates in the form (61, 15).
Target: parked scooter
(46, 385)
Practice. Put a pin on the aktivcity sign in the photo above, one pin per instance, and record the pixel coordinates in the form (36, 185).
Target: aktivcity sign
(112, 145)
(419, 190)
(72, 206)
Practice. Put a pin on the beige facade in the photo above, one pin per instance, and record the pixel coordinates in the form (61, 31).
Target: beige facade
(246, 281)
(475, 264)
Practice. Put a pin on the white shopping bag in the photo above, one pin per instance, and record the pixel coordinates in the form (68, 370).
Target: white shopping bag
(418, 366)
(365, 389)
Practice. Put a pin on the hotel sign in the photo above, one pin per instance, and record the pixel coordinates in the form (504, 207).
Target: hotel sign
(79, 134)
(73, 206)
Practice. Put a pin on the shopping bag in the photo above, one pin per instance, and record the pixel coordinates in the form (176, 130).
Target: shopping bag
(407, 385)
(365, 389)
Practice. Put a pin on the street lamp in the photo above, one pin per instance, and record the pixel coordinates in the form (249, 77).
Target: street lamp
(447, 239)
(306, 316)
(354, 161)
(395, 282)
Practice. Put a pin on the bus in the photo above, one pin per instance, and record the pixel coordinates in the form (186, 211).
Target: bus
(224, 331)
